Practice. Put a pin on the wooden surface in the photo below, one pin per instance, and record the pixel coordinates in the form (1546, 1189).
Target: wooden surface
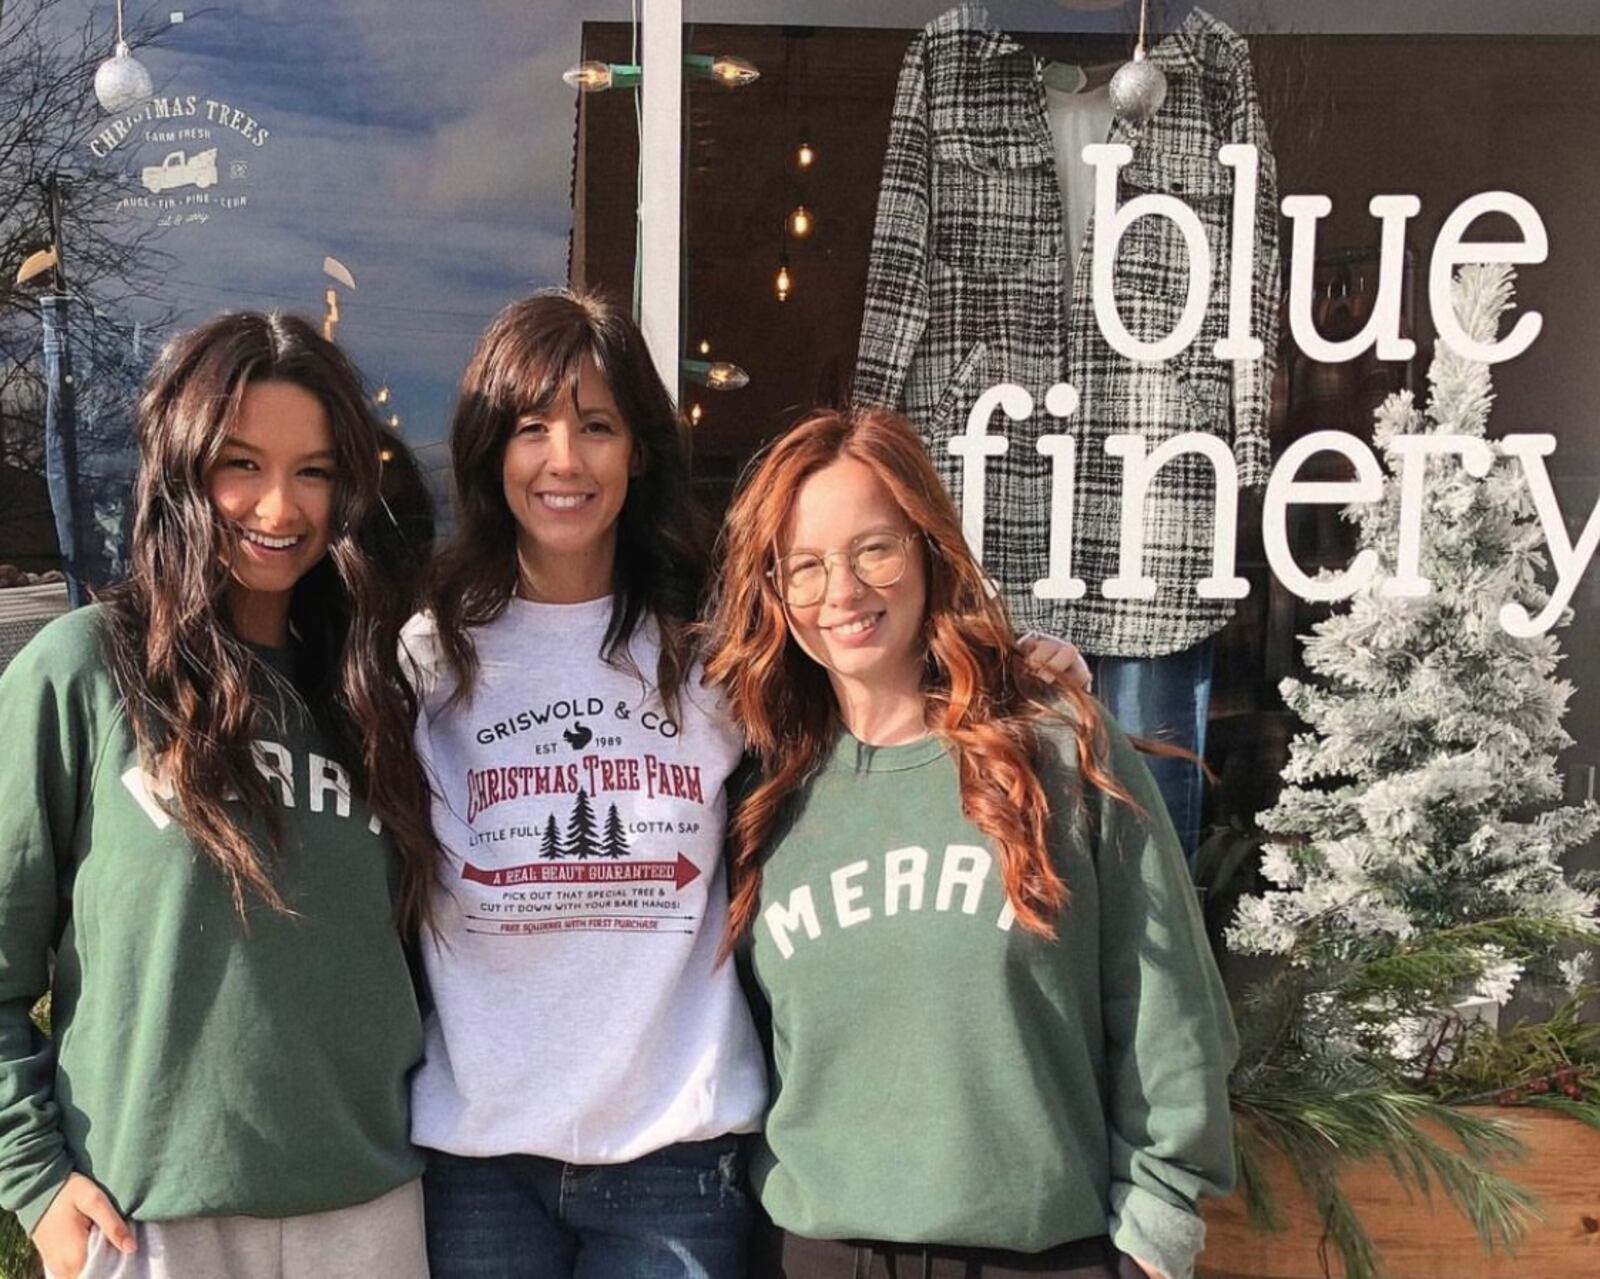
(1421, 1241)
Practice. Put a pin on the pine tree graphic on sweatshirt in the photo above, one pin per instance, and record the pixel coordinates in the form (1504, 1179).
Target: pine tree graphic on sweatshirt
(616, 843)
(581, 840)
(550, 843)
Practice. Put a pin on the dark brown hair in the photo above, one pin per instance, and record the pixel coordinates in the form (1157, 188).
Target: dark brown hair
(981, 696)
(191, 685)
(531, 356)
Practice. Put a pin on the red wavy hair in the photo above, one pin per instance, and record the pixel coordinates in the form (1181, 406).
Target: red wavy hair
(982, 698)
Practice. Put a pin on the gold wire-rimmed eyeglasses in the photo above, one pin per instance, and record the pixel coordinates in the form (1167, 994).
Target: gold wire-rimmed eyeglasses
(875, 560)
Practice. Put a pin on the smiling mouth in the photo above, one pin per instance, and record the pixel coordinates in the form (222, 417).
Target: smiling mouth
(856, 626)
(565, 501)
(268, 542)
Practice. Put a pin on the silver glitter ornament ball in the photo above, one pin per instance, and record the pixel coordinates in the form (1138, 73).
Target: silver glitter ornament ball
(1138, 90)
(122, 81)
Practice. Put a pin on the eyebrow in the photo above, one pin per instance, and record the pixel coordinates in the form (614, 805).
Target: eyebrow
(234, 442)
(874, 531)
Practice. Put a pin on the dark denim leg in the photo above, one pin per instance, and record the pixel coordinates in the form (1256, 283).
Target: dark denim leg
(1168, 699)
(681, 1213)
(495, 1218)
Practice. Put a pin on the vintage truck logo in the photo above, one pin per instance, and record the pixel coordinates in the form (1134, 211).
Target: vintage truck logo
(179, 170)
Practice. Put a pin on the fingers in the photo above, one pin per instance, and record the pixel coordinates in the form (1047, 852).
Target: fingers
(94, 1205)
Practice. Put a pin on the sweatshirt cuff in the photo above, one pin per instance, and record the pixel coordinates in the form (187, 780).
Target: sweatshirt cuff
(42, 1192)
(1151, 1229)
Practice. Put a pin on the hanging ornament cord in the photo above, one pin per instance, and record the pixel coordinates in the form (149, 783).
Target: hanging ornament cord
(1138, 48)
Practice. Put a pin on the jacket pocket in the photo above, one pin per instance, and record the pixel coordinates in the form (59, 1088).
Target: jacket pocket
(965, 383)
(1153, 257)
(993, 209)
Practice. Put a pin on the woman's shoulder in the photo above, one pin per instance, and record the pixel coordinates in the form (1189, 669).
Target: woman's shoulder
(69, 647)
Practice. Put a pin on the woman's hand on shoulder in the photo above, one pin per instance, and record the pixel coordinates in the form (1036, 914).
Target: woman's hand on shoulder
(62, 1235)
(1148, 1269)
(1055, 660)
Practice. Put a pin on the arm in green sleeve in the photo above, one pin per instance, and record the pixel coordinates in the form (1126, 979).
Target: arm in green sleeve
(47, 745)
(1170, 1041)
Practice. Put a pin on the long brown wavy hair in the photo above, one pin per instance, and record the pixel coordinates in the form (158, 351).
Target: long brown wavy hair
(531, 356)
(981, 696)
(191, 685)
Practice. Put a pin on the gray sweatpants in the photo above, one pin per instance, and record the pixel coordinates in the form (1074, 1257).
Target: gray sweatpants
(383, 1237)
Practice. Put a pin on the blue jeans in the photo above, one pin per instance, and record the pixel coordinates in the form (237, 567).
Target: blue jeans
(1168, 699)
(680, 1213)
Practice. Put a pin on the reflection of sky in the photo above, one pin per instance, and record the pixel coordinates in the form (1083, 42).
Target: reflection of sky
(427, 147)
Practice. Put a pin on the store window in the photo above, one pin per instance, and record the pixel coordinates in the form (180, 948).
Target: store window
(397, 174)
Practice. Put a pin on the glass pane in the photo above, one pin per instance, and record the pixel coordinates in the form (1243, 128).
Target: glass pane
(402, 171)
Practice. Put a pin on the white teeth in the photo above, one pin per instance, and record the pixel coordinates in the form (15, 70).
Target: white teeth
(857, 626)
(272, 543)
(564, 501)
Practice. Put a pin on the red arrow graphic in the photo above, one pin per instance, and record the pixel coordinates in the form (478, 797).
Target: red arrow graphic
(680, 872)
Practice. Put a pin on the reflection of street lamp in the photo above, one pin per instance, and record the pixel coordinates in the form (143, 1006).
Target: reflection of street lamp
(337, 271)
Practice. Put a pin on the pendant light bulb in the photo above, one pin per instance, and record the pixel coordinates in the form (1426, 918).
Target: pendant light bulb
(735, 72)
(588, 77)
(695, 414)
(805, 155)
(705, 346)
(783, 284)
(801, 222)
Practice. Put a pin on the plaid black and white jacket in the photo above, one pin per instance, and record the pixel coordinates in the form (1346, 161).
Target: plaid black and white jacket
(965, 289)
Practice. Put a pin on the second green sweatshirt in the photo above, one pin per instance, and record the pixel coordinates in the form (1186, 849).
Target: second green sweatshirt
(943, 1076)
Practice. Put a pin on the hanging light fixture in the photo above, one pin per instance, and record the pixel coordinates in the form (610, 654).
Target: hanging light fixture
(705, 346)
(381, 395)
(695, 414)
(122, 81)
(801, 222)
(782, 284)
(805, 155)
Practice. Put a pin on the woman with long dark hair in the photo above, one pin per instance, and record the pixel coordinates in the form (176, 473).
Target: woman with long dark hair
(589, 1065)
(213, 823)
(1000, 1045)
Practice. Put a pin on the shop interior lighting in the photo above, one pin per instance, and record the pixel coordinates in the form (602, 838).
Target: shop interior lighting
(801, 222)
(705, 346)
(783, 284)
(805, 155)
(122, 81)
(596, 77)
(717, 376)
(695, 414)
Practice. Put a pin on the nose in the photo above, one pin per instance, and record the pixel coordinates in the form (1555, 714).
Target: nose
(276, 507)
(563, 455)
(843, 588)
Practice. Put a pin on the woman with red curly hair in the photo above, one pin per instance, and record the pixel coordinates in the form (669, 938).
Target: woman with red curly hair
(999, 1042)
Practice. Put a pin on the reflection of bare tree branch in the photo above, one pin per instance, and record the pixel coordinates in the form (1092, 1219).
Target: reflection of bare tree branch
(48, 114)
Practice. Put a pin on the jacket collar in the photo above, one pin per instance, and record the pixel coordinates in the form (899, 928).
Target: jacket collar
(1176, 53)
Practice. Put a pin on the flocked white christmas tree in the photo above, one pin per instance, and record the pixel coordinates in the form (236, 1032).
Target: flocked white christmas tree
(1425, 795)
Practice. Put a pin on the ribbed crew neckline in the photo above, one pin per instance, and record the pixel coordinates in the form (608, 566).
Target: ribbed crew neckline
(852, 755)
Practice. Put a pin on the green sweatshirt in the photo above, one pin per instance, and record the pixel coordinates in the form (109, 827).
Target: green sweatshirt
(197, 1067)
(942, 1075)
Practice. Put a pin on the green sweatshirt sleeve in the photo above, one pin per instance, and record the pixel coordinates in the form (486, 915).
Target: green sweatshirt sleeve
(1170, 1040)
(49, 753)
